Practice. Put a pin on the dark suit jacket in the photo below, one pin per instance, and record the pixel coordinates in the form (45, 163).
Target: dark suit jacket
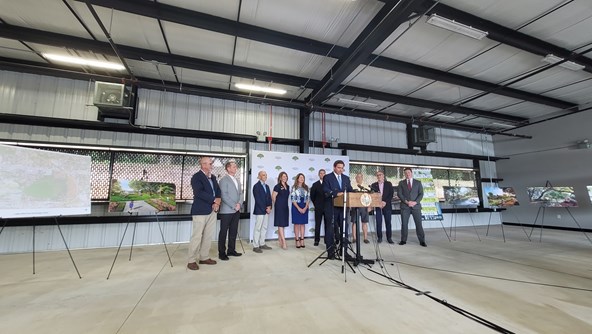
(203, 196)
(317, 196)
(331, 187)
(262, 198)
(415, 194)
(388, 192)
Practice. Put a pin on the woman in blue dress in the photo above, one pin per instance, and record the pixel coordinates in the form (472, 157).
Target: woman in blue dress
(300, 201)
(281, 217)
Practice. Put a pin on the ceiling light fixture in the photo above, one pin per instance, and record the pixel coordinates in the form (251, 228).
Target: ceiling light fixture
(570, 65)
(445, 116)
(457, 27)
(356, 102)
(503, 125)
(84, 62)
(255, 88)
(438, 115)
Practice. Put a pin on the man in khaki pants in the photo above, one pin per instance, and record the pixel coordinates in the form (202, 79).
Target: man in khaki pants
(206, 203)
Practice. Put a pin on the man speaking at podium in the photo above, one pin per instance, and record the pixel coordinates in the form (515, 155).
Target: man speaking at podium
(334, 184)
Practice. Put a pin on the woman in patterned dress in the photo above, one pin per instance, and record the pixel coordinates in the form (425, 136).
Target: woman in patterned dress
(300, 202)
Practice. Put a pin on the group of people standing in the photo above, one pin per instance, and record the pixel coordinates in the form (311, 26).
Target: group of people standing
(211, 198)
(281, 198)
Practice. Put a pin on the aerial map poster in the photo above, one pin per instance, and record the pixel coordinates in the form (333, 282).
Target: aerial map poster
(40, 183)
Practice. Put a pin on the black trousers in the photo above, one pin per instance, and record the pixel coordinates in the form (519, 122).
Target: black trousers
(320, 217)
(416, 213)
(387, 213)
(228, 225)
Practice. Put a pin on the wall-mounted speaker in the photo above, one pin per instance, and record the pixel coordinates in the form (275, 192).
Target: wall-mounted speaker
(110, 95)
(424, 135)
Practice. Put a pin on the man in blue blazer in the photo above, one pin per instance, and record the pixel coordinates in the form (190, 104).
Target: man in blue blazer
(410, 192)
(206, 203)
(334, 184)
(262, 196)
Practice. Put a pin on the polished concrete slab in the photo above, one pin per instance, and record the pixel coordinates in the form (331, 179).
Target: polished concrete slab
(520, 285)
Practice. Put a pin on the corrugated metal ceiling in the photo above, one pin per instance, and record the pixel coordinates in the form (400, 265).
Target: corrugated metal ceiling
(378, 52)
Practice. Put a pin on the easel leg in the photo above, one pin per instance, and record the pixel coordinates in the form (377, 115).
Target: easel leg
(3, 226)
(586, 235)
(534, 224)
(542, 224)
(133, 237)
(68, 249)
(473, 222)
(488, 223)
(118, 248)
(240, 240)
(33, 249)
(163, 242)
(444, 228)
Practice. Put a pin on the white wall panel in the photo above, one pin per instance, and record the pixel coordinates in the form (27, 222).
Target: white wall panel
(354, 130)
(105, 138)
(462, 142)
(39, 95)
(167, 109)
(379, 157)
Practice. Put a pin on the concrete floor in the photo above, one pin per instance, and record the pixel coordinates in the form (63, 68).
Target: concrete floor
(522, 286)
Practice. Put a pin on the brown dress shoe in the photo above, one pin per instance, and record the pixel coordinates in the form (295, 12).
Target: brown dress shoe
(192, 266)
(208, 261)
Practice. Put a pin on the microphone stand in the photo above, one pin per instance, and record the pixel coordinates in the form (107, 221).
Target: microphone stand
(344, 240)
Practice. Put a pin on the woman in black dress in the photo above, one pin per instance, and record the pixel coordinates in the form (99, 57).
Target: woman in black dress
(281, 215)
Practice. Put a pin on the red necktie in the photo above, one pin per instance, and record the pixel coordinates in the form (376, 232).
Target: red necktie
(409, 184)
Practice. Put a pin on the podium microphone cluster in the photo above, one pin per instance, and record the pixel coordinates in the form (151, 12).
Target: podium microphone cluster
(364, 189)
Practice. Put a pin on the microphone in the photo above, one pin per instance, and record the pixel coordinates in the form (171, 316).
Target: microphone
(364, 189)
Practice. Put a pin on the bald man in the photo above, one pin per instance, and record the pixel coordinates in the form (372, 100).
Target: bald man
(262, 195)
(206, 203)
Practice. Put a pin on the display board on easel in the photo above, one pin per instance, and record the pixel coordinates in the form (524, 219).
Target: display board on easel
(430, 207)
(38, 183)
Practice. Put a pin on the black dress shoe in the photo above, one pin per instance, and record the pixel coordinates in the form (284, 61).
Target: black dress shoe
(423, 244)
(402, 242)
(379, 240)
(234, 253)
(223, 257)
(316, 243)
(390, 241)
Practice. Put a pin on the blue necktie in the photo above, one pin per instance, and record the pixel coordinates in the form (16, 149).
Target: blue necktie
(264, 188)
(339, 180)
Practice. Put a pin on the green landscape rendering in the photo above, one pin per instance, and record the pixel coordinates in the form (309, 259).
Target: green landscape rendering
(141, 197)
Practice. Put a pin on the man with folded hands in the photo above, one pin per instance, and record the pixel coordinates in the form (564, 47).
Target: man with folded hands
(206, 203)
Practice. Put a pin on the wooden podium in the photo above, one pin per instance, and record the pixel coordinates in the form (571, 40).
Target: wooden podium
(359, 200)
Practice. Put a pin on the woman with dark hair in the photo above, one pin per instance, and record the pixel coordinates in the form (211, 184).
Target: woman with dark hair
(300, 202)
(279, 196)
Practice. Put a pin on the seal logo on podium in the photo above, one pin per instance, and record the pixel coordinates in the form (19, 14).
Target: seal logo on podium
(366, 200)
